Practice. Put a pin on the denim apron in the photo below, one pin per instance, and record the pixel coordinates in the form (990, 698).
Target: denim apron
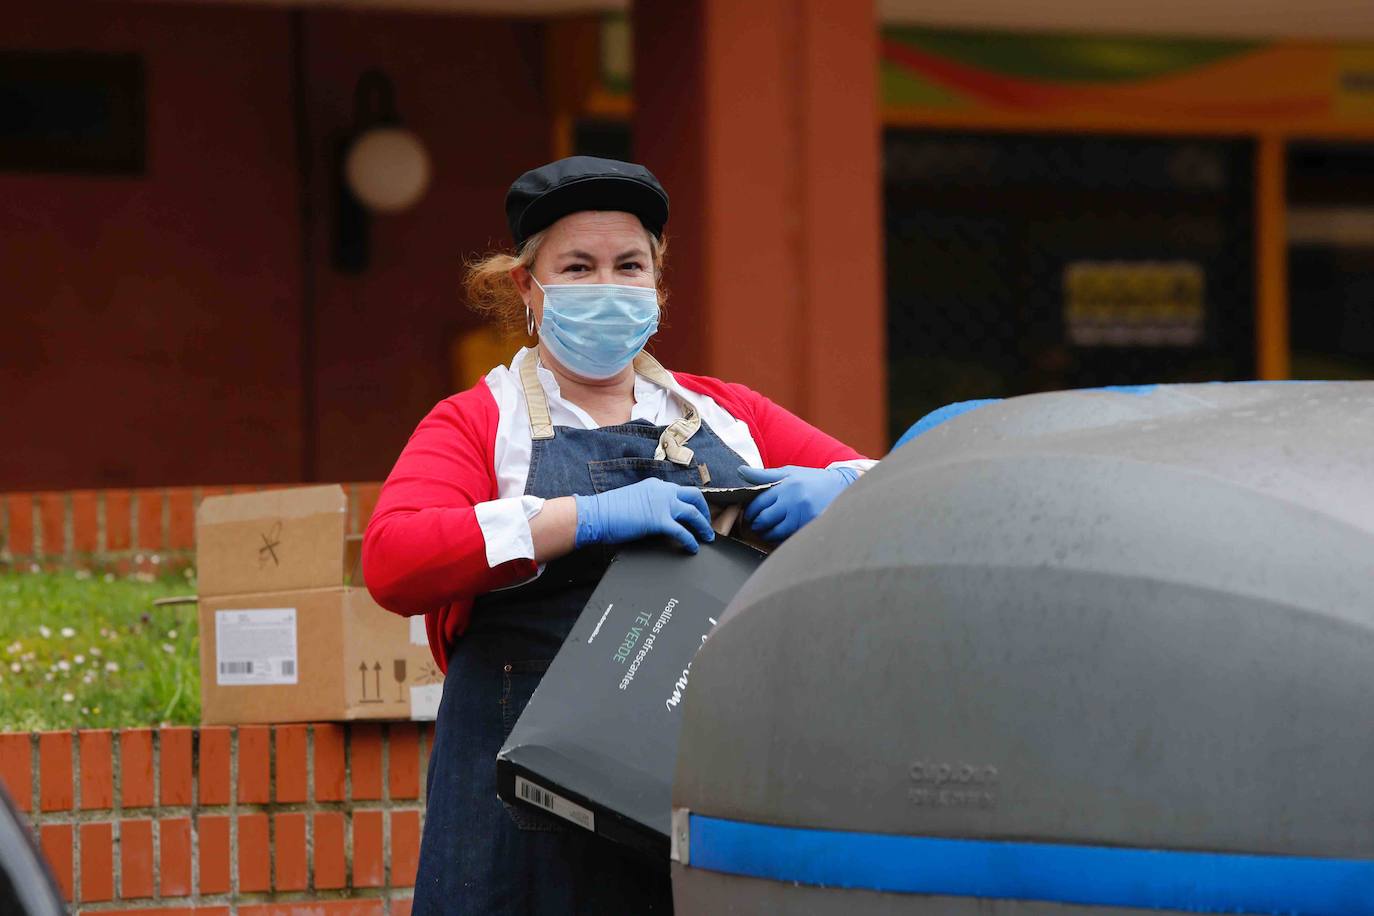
(478, 855)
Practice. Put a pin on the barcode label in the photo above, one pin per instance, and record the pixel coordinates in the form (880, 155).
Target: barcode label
(255, 646)
(554, 803)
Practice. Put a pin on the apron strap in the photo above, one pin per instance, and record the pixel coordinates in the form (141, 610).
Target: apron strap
(541, 424)
(672, 445)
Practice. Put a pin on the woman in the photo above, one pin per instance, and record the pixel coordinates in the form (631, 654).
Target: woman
(504, 508)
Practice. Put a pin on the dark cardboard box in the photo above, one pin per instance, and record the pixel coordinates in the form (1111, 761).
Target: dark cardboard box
(597, 742)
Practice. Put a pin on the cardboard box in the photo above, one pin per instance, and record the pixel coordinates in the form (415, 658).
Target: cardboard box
(597, 742)
(288, 632)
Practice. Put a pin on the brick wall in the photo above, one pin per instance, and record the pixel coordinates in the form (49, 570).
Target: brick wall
(124, 530)
(255, 820)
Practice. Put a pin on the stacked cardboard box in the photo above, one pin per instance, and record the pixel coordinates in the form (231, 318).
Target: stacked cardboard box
(288, 631)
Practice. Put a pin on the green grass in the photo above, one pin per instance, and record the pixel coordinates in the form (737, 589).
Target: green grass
(83, 650)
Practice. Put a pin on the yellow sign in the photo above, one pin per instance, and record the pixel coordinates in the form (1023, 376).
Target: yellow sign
(1134, 303)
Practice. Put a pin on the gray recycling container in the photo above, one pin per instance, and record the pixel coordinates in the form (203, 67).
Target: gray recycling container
(1096, 651)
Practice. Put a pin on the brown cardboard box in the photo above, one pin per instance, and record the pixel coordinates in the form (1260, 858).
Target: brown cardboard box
(288, 633)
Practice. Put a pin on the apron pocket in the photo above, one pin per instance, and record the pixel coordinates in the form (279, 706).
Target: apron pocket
(621, 472)
(518, 680)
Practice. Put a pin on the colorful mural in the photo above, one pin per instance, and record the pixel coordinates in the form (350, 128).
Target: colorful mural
(1248, 84)
(1145, 78)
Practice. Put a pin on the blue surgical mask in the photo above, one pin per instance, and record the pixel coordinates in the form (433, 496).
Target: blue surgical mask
(596, 329)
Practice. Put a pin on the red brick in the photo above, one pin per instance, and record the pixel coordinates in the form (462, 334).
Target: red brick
(365, 496)
(214, 854)
(16, 769)
(20, 540)
(136, 859)
(55, 771)
(85, 521)
(291, 782)
(181, 518)
(56, 840)
(215, 782)
(175, 765)
(174, 861)
(136, 768)
(255, 853)
(97, 862)
(52, 508)
(331, 782)
(329, 851)
(426, 750)
(365, 761)
(255, 765)
(405, 847)
(150, 519)
(404, 772)
(292, 860)
(401, 907)
(315, 908)
(368, 863)
(97, 769)
(175, 911)
(118, 520)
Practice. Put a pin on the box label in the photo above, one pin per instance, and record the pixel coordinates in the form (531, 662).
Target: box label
(424, 701)
(255, 647)
(554, 803)
(418, 636)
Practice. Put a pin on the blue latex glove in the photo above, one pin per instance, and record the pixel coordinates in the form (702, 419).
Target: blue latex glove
(777, 513)
(641, 509)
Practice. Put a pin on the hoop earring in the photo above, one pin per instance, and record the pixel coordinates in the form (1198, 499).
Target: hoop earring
(529, 321)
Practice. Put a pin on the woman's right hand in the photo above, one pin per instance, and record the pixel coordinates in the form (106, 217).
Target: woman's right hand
(642, 509)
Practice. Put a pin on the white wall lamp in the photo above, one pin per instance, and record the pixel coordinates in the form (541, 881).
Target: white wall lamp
(382, 168)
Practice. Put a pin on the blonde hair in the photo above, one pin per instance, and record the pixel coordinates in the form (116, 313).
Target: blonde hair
(492, 293)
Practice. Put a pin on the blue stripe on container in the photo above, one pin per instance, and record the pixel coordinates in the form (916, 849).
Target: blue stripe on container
(1154, 879)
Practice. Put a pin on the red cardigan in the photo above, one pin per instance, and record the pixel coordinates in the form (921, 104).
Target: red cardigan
(424, 553)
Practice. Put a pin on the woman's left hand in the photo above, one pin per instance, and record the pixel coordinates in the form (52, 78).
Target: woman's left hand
(799, 495)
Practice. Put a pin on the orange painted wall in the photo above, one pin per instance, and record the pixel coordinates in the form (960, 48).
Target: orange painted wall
(150, 327)
(473, 89)
(766, 135)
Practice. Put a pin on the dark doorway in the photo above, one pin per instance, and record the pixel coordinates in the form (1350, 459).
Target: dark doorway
(1020, 263)
(1331, 259)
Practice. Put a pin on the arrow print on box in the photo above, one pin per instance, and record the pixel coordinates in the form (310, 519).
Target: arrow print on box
(377, 679)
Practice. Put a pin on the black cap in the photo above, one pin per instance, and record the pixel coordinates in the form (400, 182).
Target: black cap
(541, 197)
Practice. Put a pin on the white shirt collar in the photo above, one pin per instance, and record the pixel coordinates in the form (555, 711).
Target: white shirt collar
(649, 397)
